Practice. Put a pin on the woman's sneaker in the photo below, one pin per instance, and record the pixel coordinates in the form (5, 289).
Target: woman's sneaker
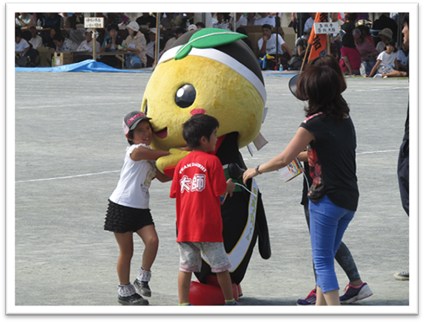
(355, 293)
(310, 299)
(143, 288)
(134, 299)
(404, 275)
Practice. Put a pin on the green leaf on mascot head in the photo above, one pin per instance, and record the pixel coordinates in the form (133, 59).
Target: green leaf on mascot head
(208, 38)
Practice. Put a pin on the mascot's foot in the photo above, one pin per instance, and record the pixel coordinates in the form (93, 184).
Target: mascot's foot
(210, 293)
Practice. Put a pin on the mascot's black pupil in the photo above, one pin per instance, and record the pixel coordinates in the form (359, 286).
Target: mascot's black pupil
(185, 96)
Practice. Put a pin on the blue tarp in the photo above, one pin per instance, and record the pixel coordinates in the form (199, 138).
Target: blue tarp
(89, 65)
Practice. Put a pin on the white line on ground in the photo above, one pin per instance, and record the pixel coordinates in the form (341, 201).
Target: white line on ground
(115, 171)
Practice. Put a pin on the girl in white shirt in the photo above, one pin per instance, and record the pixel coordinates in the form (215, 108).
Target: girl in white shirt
(128, 209)
(385, 60)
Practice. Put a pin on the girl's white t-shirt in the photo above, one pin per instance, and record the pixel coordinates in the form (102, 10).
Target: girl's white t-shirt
(386, 59)
(134, 181)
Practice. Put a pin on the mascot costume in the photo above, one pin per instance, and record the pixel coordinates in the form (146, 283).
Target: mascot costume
(213, 71)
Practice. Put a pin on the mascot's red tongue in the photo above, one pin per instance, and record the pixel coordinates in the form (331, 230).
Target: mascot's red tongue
(169, 171)
(162, 133)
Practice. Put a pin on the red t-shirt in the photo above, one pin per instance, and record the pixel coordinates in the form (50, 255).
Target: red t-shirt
(354, 58)
(198, 182)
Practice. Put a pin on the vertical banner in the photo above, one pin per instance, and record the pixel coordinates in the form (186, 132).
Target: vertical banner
(317, 41)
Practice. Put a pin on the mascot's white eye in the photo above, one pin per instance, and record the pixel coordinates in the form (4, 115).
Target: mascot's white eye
(185, 96)
(145, 108)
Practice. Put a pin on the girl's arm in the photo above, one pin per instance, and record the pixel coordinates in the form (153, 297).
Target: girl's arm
(374, 69)
(302, 138)
(143, 153)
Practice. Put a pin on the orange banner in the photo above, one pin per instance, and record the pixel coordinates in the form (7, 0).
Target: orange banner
(317, 41)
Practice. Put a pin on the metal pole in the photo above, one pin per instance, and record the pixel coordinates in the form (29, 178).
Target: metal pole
(94, 43)
(157, 38)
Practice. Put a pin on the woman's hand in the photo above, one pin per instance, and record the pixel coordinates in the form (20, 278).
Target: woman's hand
(248, 174)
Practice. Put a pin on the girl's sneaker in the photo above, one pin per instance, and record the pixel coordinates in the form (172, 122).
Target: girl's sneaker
(134, 299)
(143, 288)
(309, 300)
(355, 293)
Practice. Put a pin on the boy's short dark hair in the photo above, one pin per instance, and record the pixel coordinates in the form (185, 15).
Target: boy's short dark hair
(268, 26)
(58, 37)
(198, 126)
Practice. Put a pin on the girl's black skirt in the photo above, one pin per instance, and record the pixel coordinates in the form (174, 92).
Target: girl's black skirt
(122, 219)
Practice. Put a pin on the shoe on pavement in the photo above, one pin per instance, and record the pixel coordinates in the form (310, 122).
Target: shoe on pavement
(310, 299)
(378, 75)
(355, 293)
(142, 287)
(134, 299)
(404, 275)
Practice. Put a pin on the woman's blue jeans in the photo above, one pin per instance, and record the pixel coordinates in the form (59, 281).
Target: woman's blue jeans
(328, 223)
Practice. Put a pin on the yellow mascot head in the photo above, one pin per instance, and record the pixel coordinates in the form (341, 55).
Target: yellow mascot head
(209, 71)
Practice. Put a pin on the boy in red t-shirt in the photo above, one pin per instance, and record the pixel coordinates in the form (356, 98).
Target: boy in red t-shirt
(197, 185)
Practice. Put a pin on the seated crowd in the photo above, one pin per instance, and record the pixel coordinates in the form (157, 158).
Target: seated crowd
(359, 52)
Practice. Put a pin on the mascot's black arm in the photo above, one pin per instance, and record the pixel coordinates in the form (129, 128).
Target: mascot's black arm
(229, 153)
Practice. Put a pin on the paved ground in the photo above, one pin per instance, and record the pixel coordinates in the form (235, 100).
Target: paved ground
(69, 150)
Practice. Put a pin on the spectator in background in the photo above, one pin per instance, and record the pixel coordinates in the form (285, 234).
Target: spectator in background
(350, 61)
(166, 20)
(110, 44)
(36, 40)
(48, 40)
(251, 18)
(268, 45)
(32, 54)
(22, 19)
(21, 45)
(220, 22)
(200, 25)
(51, 20)
(310, 21)
(63, 44)
(298, 22)
(240, 21)
(385, 60)
(178, 33)
(151, 48)
(364, 27)
(366, 50)
(243, 31)
(66, 21)
(349, 24)
(386, 34)
(113, 19)
(87, 44)
(188, 19)
(136, 42)
(265, 18)
(146, 19)
(300, 51)
(386, 22)
(402, 58)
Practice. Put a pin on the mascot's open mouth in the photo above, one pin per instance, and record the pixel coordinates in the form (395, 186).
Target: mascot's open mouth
(162, 133)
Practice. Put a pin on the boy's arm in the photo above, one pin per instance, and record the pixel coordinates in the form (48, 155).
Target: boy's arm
(162, 177)
(143, 153)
